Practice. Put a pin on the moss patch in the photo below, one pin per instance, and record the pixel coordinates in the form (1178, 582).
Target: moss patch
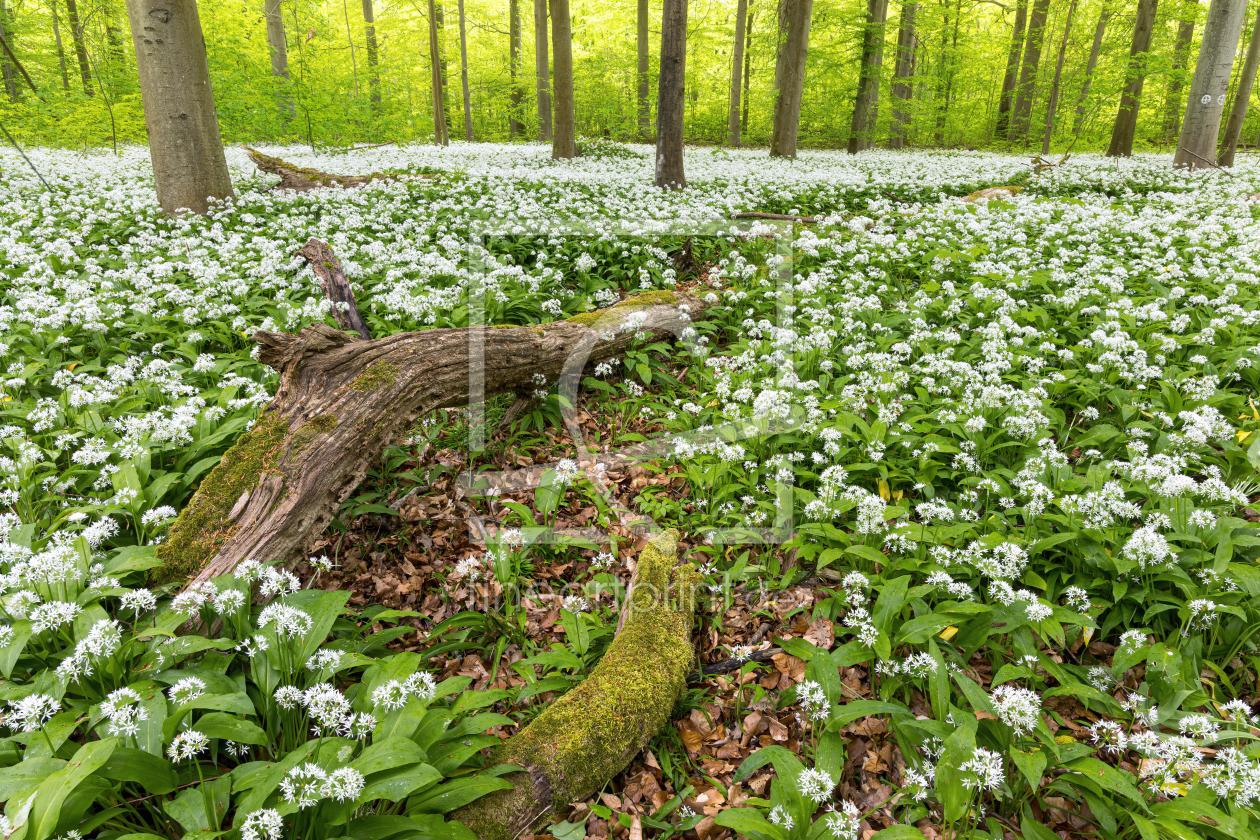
(310, 430)
(634, 303)
(590, 734)
(377, 376)
(203, 526)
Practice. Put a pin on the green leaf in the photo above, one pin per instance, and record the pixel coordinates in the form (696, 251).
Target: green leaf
(228, 728)
(899, 832)
(1031, 763)
(842, 716)
(27, 776)
(1109, 777)
(398, 783)
(388, 754)
(418, 827)
(10, 655)
(455, 794)
(749, 822)
(53, 792)
(954, 795)
(1199, 812)
(1033, 830)
(151, 772)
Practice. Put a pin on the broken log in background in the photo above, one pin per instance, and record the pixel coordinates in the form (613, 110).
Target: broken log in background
(301, 179)
(341, 299)
(340, 401)
(591, 734)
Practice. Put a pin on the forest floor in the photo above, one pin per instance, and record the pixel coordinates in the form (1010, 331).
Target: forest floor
(970, 479)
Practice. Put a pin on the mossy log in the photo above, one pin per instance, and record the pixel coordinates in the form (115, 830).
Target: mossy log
(341, 400)
(345, 310)
(591, 733)
(301, 179)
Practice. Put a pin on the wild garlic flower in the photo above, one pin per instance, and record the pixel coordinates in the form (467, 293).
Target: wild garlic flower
(780, 816)
(263, 825)
(1131, 640)
(846, 823)
(326, 706)
(812, 700)
(32, 712)
(229, 602)
(1018, 708)
(138, 601)
(304, 785)
(188, 744)
(52, 615)
(289, 697)
(186, 690)
(984, 770)
(290, 622)
(576, 604)
(343, 784)
(325, 660)
(815, 785)
(1108, 736)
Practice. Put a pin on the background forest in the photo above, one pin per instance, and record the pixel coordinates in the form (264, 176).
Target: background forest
(351, 81)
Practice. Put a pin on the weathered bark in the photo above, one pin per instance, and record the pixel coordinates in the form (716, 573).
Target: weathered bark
(279, 51)
(441, 135)
(564, 128)
(670, 101)
(1177, 79)
(542, 70)
(902, 89)
(341, 400)
(354, 64)
(1197, 144)
(61, 50)
(1021, 111)
(946, 72)
(8, 69)
(642, 70)
(114, 52)
(1053, 103)
(866, 104)
(514, 65)
(446, 78)
(1242, 98)
(189, 168)
(463, 74)
(1081, 110)
(341, 302)
(1012, 69)
(373, 56)
(789, 76)
(591, 733)
(737, 61)
(80, 47)
(302, 179)
(1125, 128)
(743, 120)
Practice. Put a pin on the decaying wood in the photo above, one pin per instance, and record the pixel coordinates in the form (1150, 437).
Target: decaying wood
(776, 217)
(341, 400)
(590, 734)
(301, 179)
(340, 297)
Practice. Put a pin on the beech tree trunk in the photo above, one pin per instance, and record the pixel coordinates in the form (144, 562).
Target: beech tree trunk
(564, 139)
(1125, 128)
(7, 69)
(341, 400)
(1242, 98)
(114, 53)
(279, 49)
(446, 77)
(374, 74)
(61, 51)
(80, 47)
(542, 70)
(1081, 110)
(1210, 86)
(463, 73)
(743, 120)
(514, 64)
(902, 88)
(441, 134)
(866, 104)
(592, 732)
(737, 67)
(1021, 112)
(789, 75)
(1053, 103)
(189, 168)
(1011, 78)
(642, 70)
(1177, 79)
(670, 96)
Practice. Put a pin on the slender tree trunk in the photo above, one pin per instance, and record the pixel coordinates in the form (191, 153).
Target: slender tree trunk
(514, 63)
(564, 141)
(1012, 68)
(7, 70)
(866, 104)
(643, 80)
(542, 70)
(1242, 98)
(743, 120)
(737, 67)
(373, 57)
(1210, 86)
(1021, 112)
(1052, 105)
(1131, 99)
(440, 134)
(279, 51)
(1177, 79)
(61, 51)
(113, 37)
(1094, 51)
(463, 74)
(789, 75)
(80, 47)
(942, 72)
(670, 101)
(189, 168)
(446, 77)
(902, 88)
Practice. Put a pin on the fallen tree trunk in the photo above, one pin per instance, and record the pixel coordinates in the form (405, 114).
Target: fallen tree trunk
(341, 400)
(345, 309)
(591, 733)
(301, 179)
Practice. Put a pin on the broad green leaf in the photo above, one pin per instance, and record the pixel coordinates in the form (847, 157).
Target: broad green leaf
(455, 794)
(749, 822)
(52, 794)
(1031, 764)
(153, 773)
(228, 728)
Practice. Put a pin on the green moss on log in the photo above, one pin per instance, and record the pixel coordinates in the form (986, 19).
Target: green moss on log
(591, 733)
(204, 525)
(634, 303)
(310, 430)
(378, 376)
